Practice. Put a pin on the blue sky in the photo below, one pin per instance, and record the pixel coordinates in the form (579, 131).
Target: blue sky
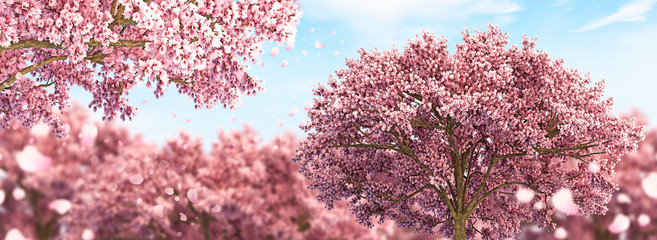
(614, 40)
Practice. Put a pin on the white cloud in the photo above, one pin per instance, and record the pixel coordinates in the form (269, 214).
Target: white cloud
(559, 3)
(632, 12)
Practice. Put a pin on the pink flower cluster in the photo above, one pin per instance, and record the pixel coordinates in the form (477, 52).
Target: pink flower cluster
(442, 142)
(203, 47)
(632, 213)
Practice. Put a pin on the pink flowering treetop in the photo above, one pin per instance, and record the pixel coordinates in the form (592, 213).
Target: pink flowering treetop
(440, 143)
(38, 172)
(632, 213)
(109, 46)
(239, 190)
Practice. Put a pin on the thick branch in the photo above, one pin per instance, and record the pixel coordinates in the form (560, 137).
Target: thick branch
(29, 69)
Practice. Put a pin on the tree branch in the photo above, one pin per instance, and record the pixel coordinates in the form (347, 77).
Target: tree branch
(29, 69)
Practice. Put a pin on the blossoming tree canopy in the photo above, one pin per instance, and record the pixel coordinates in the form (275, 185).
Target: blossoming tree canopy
(441, 143)
(201, 46)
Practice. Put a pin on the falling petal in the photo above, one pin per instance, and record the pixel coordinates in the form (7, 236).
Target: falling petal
(192, 195)
(158, 210)
(87, 234)
(168, 191)
(216, 209)
(183, 217)
(60, 206)
(304, 52)
(311, 30)
(336, 53)
(261, 63)
(563, 202)
(524, 195)
(31, 160)
(341, 42)
(112, 187)
(560, 233)
(257, 138)
(284, 63)
(15, 234)
(319, 44)
(18, 194)
(188, 120)
(174, 115)
(143, 102)
(136, 179)
(620, 224)
(274, 51)
(279, 123)
(290, 45)
(643, 220)
(649, 185)
(293, 111)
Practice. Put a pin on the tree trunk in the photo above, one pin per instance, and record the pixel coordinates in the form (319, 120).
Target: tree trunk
(459, 228)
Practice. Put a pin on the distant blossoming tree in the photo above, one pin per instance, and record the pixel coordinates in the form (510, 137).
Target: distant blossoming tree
(201, 46)
(632, 213)
(440, 142)
(106, 183)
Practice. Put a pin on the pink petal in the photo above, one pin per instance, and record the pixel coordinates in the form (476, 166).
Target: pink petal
(311, 30)
(174, 115)
(60, 206)
(143, 102)
(309, 105)
(279, 123)
(284, 63)
(192, 195)
(216, 209)
(158, 210)
(620, 224)
(136, 179)
(318, 44)
(290, 46)
(563, 202)
(183, 217)
(341, 42)
(293, 111)
(261, 63)
(31, 160)
(188, 120)
(257, 139)
(274, 52)
(87, 234)
(168, 191)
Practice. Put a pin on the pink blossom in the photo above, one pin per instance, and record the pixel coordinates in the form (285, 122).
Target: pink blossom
(318, 44)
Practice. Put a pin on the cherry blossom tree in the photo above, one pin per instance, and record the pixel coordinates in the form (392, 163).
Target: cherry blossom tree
(109, 46)
(632, 213)
(38, 172)
(440, 143)
(107, 183)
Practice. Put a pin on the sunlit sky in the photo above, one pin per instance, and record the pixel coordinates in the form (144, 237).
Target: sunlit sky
(614, 40)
